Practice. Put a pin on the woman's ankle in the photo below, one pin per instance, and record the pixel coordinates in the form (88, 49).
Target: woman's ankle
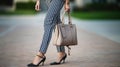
(41, 54)
(61, 53)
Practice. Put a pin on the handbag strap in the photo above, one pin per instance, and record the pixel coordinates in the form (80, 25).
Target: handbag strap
(69, 17)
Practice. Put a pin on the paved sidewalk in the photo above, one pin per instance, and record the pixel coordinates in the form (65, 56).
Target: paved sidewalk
(20, 38)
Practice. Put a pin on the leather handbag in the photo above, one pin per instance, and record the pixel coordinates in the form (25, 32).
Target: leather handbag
(65, 34)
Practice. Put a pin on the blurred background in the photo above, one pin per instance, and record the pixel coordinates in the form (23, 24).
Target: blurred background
(96, 11)
(85, 9)
(98, 27)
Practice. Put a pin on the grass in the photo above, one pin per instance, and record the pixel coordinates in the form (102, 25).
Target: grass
(18, 12)
(98, 15)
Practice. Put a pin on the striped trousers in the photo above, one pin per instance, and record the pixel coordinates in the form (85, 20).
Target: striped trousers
(52, 18)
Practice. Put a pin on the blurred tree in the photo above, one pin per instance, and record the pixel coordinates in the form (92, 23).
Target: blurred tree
(99, 1)
(118, 2)
(71, 0)
(6, 3)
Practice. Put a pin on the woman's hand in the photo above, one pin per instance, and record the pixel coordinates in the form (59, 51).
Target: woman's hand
(37, 6)
(67, 7)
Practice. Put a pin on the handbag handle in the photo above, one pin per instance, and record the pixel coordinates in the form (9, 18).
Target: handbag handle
(69, 18)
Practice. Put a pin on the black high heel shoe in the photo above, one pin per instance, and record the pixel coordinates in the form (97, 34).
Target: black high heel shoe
(61, 61)
(42, 61)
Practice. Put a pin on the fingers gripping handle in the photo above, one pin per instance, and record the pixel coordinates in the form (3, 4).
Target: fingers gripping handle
(69, 18)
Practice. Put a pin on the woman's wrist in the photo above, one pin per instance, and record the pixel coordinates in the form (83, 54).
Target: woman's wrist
(67, 2)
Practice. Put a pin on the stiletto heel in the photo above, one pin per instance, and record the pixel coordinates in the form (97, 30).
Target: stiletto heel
(61, 61)
(41, 62)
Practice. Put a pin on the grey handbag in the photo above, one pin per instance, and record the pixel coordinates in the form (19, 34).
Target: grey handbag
(65, 34)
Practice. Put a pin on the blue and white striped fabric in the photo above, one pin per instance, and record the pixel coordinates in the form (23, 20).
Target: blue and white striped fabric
(52, 17)
(48, 2)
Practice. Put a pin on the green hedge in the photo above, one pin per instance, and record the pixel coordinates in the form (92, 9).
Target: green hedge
(102, 6)
(99, 7)
(97, 15)
(25, 5)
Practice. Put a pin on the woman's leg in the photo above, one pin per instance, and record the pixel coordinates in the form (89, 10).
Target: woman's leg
(50, 22)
